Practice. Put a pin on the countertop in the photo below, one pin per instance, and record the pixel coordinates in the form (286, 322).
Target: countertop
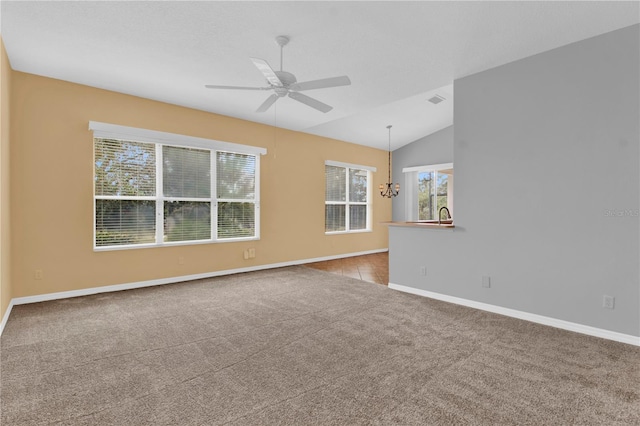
(431, 224)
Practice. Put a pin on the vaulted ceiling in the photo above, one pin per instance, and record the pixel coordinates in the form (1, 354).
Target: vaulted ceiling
(397, 54)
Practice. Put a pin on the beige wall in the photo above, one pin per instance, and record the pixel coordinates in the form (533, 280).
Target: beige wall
(5, 236)
(52, 205)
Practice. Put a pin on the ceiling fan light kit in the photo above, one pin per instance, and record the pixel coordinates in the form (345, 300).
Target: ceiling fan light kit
(284, 83)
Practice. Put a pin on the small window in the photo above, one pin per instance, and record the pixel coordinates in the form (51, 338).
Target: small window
(432, 194)
(150, 193)
(429, 188)
(347, 198)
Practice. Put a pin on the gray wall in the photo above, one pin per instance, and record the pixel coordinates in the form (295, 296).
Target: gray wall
(547, 188)
(436, 148)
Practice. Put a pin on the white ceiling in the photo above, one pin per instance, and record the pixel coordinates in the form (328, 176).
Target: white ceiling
(397, 54)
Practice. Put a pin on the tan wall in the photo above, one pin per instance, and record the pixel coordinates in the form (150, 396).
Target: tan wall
(52, 202)
(5, 236)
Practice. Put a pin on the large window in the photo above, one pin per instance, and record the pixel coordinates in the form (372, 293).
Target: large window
(153, 188)
(347, 197)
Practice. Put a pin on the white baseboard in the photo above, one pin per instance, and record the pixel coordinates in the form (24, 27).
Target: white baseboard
(553, 322)
(5, 317)
(129, 286)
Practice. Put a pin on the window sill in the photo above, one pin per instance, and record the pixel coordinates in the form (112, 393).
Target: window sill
(423, 224)
(175, 244)
(358, 231)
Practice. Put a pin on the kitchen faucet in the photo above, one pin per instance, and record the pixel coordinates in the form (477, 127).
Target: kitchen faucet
(440, 214)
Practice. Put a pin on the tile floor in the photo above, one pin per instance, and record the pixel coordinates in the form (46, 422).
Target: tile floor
(371, 267)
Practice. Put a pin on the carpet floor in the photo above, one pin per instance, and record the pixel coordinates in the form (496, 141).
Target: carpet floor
(298, 346)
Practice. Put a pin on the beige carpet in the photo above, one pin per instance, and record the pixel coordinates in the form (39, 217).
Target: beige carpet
(297, 346)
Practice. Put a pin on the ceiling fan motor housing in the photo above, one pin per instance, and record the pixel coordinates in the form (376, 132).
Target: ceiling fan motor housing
(287, 79)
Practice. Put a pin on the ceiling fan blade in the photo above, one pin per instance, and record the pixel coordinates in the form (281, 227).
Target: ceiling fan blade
(267, 71)
(321, 84)
(313, 103)
(213, 86)
(267, 103)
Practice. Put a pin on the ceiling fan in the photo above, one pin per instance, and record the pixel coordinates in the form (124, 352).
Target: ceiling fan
(284, 83)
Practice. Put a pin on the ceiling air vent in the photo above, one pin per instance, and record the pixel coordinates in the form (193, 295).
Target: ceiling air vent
(436, 99)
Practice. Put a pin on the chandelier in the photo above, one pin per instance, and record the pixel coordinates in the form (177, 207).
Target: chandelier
(387, 190)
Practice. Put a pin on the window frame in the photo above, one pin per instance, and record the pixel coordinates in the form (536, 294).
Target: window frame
(411, 191)
(347, 203)
(160, 139)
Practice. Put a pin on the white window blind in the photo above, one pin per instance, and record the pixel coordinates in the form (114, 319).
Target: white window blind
(358, 190)
(335, 199)
(347, 197)
(236, 183)
(186, 182)
(125, 189)
(151, 193)
(124, 168)
(186, 172)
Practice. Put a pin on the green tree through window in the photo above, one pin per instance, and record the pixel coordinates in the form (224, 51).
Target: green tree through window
(432, 194)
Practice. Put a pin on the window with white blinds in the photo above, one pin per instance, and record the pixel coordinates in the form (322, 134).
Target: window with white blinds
(151, 193)
(235, 194)
(347, 197)
(186, 183)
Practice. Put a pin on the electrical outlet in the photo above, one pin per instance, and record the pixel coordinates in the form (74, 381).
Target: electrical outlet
(423, 271)
(486, 281)
(608, 302)
(252, 253)
(246, 254)
(37, 274)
